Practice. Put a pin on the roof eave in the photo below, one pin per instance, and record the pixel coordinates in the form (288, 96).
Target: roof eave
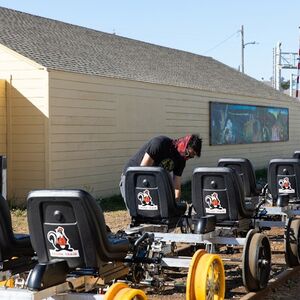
(22, 57)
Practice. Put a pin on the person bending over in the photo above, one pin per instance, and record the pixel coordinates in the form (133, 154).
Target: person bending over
(170, 154)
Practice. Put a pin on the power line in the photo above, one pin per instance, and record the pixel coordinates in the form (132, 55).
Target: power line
(219, 44)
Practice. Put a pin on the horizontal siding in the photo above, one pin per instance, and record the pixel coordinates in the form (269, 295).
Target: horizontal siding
(98, 123)
(94, 128)
(106, 145)
(79, 164)
(104, 101)
(28, 114)
(28, 165)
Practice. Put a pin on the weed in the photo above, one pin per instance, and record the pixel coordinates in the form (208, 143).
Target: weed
(19, 212)
(261, 174)
(186, 191)
(261, 177)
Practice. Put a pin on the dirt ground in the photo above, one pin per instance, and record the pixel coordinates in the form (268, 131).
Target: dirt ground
(118, 220)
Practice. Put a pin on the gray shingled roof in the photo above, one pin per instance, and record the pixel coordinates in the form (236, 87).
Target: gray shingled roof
(61, 46)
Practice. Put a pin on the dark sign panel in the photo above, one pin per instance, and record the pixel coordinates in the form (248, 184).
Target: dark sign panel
(244, 124)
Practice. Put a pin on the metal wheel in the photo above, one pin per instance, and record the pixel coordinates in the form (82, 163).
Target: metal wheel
(206, 277)
(292, 239)
(121, 291)
(190, 291)
(256, 261)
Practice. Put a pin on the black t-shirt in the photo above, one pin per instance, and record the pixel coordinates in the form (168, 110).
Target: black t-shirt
(164, 154)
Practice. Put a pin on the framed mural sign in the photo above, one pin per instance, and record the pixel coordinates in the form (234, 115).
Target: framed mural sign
(244, 124)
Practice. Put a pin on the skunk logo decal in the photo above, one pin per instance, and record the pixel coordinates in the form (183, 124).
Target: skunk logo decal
(214, 204)
(146, 201)
(285, 186)
(60, 243)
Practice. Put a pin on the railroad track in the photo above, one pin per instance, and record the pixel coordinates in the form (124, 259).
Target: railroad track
(234, 283)
(235, 289)
(286, 284)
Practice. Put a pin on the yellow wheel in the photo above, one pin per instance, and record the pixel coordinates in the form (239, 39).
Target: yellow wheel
(121, 291)
(206, 278)
(190, 283)
(8, 283)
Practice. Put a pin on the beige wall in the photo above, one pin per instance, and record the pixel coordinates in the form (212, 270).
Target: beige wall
(27, 119)
(2, 117)
(97, 123)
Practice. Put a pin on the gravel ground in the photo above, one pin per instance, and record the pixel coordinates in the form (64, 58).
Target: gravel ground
(234, 284)
(290, 290)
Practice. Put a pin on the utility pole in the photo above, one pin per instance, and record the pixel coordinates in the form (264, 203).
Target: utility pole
(243, 45)
(283, 60)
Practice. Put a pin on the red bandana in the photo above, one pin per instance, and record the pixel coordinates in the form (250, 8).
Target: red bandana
(181, 144)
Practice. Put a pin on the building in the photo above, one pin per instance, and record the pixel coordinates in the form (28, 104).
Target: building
(75, 103)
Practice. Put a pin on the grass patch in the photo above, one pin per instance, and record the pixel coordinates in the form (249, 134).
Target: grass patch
(261, 176)
(116, 202)
(186, 191)
(112, 203)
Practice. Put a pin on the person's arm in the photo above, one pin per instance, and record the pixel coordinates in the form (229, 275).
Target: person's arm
(177, 187)
(147, 160)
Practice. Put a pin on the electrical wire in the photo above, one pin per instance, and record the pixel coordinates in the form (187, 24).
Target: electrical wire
(219, 44)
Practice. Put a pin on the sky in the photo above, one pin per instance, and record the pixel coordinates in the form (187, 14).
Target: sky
(211, 28)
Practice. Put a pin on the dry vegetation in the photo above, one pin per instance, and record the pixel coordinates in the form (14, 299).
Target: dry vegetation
(116, 220)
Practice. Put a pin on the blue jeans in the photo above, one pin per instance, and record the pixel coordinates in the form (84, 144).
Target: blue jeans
(122, 187)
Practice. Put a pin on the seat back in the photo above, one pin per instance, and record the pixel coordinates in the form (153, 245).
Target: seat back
(296, 154)
(245, 169)
(6, 231)
(284, 177)
(16, 252)
(150, 198)
(69, 225)
(219, 191)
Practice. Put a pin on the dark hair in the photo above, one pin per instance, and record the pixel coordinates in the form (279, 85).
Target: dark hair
(195, 143)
